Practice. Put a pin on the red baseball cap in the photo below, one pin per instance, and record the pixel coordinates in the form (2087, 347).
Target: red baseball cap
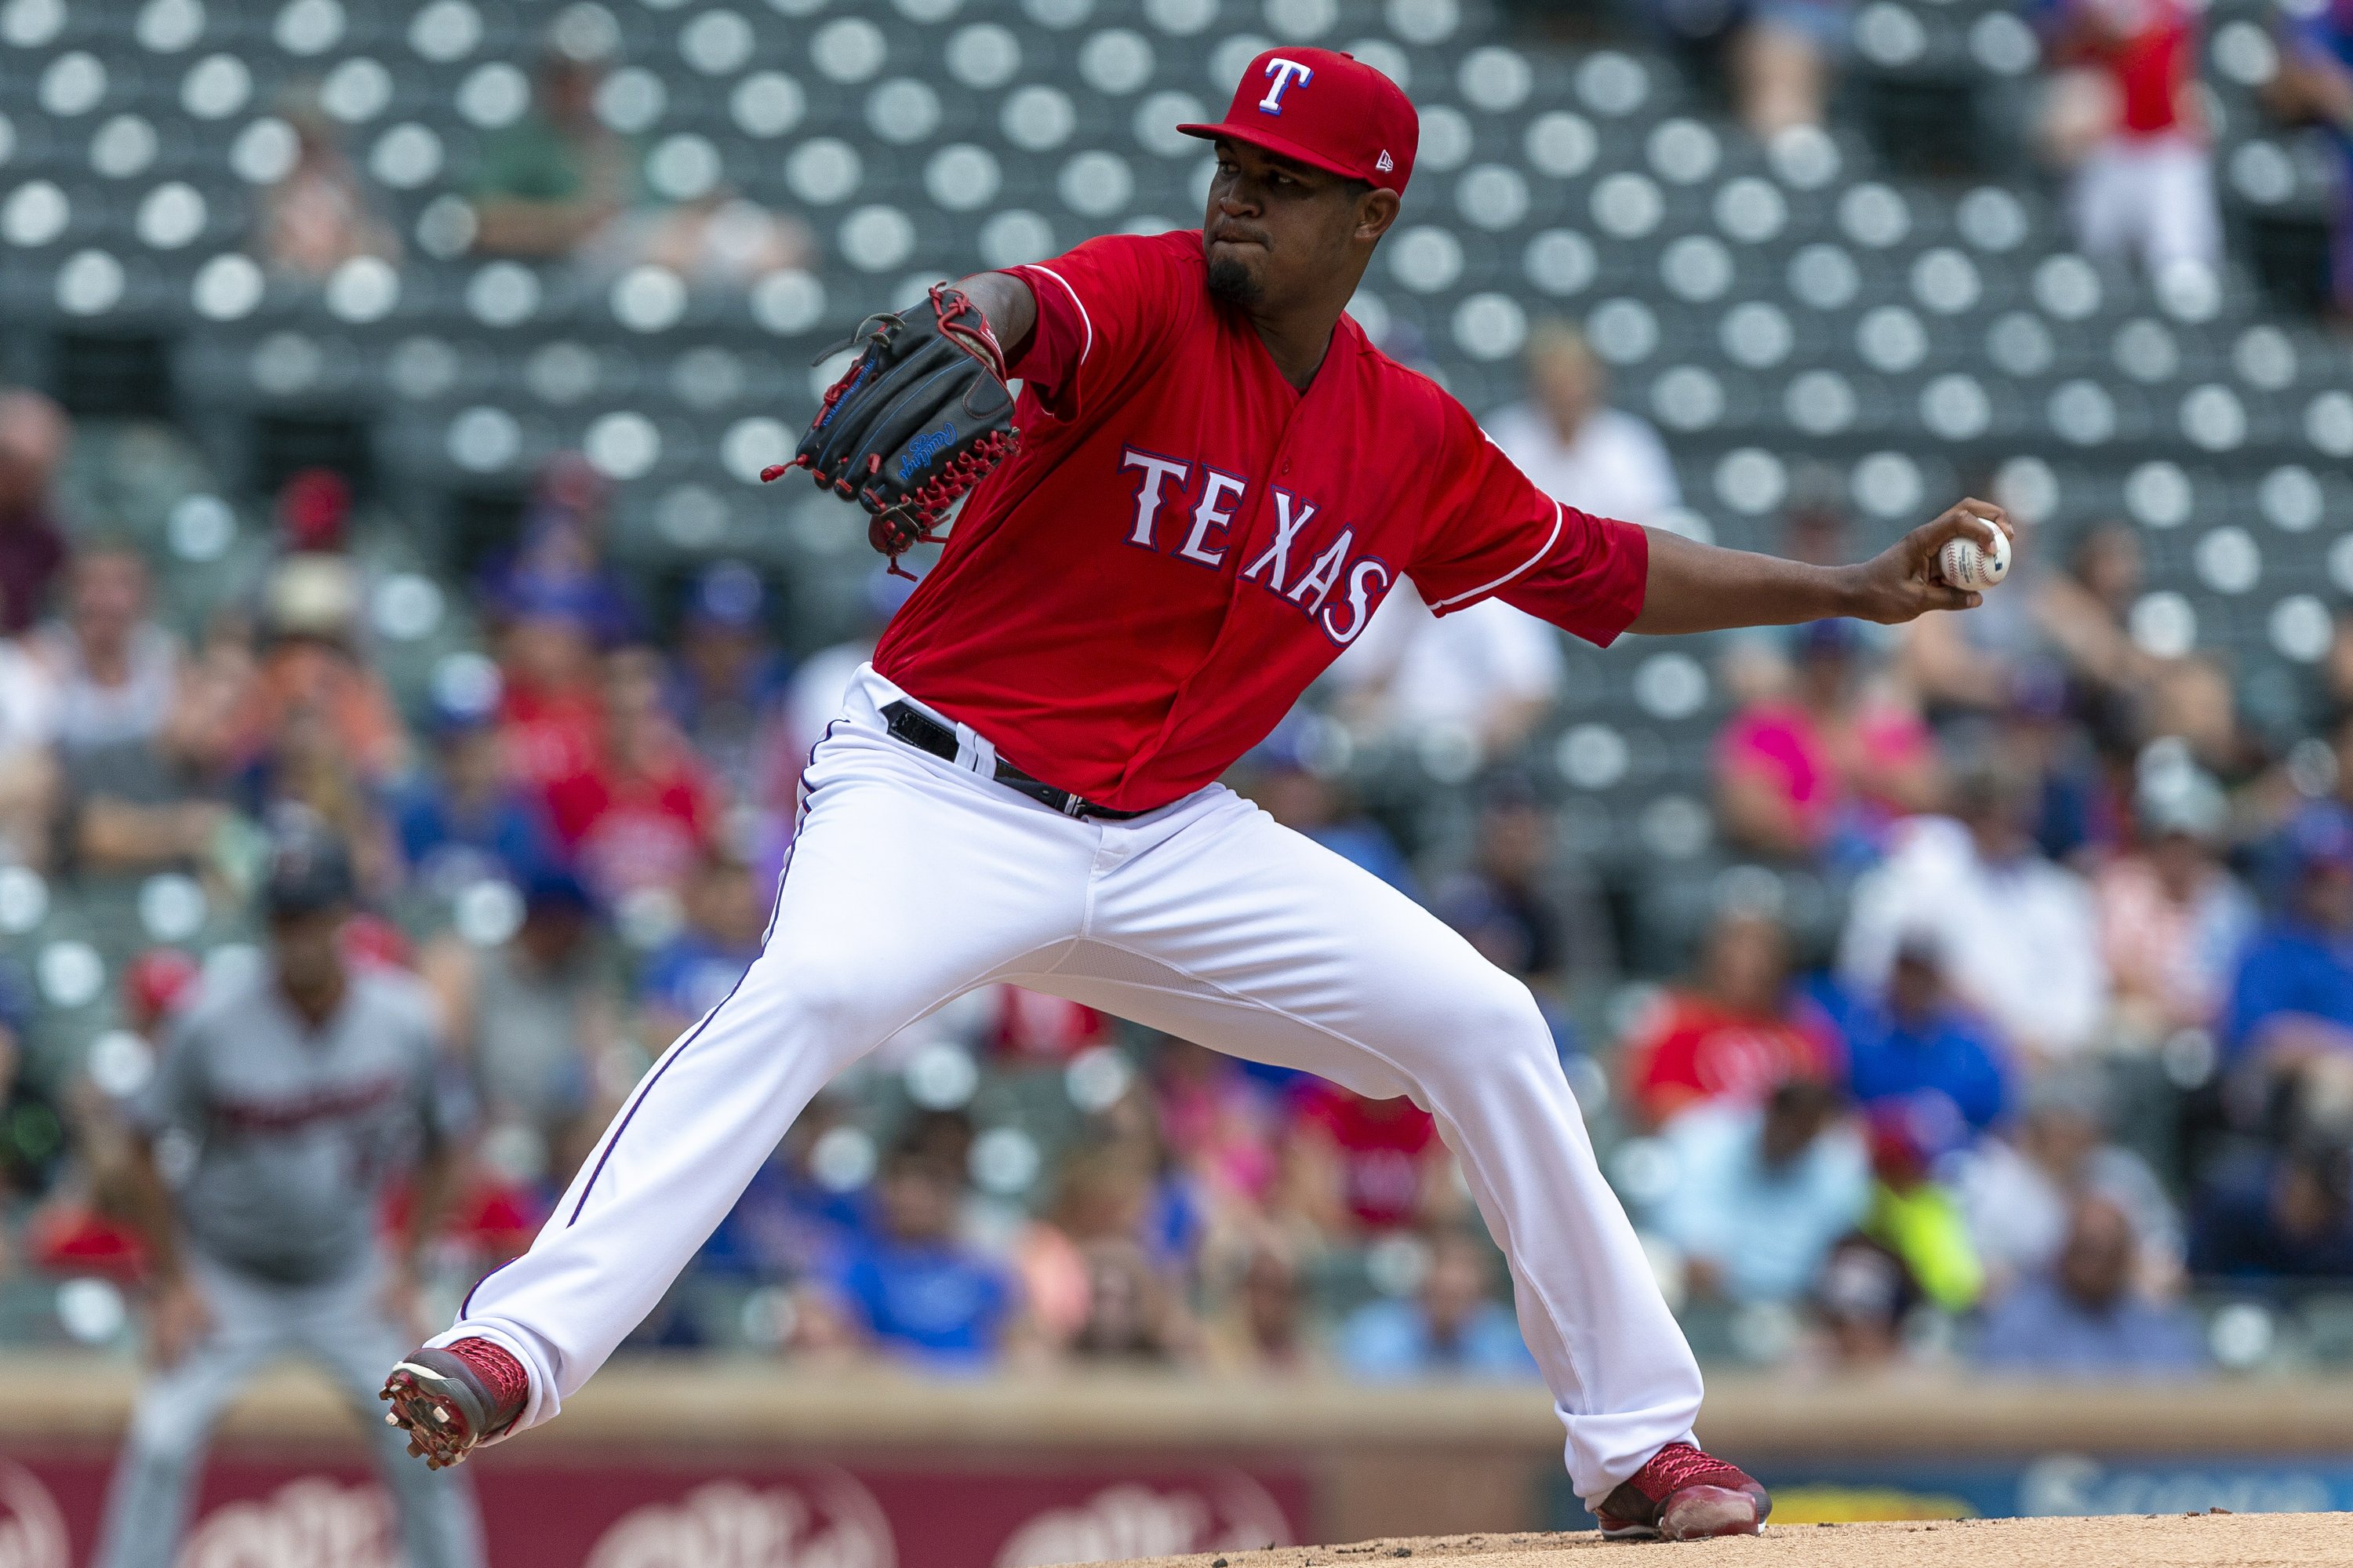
(1326, 109)
(155, 982)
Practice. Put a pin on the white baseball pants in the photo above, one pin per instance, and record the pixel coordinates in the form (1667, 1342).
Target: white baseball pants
(914, 880)
(2150, 198)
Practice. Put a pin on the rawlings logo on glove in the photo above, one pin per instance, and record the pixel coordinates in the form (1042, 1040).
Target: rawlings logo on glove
(921, 417)
(922, 449)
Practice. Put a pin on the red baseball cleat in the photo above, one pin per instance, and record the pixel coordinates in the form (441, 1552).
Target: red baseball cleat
(452, 1399)
(1683, 1494)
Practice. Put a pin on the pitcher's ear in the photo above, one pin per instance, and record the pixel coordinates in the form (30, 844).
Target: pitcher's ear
(1376, 212)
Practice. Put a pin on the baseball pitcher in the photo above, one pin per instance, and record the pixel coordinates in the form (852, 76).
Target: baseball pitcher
(1207, 485)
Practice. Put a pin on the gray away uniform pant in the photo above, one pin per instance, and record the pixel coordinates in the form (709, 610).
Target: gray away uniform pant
(340, 1326)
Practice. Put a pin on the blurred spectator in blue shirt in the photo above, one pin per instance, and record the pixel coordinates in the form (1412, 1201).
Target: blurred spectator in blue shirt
(2316, 82)
(727, 683)
(466, 820)
(1518, 903)
(802, 1206)
(2073, 806)
(2293, 996)
(726, 912)
(1453, 1326)
(1761, 1193)
(1291, 775)
(2287, 1215)
(558, 568)
(2083, 1318)
(1917, 1043)
(911, 1287)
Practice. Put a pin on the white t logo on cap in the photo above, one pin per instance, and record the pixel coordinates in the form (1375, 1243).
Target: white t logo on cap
(1282, 73)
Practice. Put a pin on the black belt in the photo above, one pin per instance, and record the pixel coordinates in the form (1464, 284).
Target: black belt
(926, 733)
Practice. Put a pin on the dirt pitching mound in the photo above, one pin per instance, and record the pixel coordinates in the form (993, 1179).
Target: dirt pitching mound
(2158, 1541)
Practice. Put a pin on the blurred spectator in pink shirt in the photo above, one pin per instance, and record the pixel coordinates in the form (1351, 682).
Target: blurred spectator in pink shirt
(2172, 917)
(1218, 1120)
(1820, 773)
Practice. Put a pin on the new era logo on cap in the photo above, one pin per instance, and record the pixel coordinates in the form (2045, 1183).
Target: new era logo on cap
(1324, 109)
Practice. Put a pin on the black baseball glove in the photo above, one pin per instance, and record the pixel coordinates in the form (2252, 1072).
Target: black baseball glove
(920, 418)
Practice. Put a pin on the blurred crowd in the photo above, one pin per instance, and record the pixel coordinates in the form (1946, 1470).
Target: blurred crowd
(2068, 1037)
(2019, 1023)
(2120, 120)
(560, 176)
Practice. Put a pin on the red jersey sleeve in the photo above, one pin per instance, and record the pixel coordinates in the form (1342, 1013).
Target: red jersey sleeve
(1100, 309)
(1494, 534)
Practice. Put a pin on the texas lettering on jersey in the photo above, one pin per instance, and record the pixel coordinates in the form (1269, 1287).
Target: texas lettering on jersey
(1220, 496)
(1184, 540)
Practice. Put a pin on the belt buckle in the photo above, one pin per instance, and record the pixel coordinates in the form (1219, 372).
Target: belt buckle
(1073, 805)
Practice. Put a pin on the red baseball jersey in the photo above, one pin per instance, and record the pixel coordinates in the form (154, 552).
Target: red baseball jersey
(1184, 540)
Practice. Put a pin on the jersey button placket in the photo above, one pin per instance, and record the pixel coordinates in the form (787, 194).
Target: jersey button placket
(1262, 508)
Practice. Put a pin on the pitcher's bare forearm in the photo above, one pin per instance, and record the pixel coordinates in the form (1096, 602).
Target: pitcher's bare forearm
(1011, 309)
(1692, 587)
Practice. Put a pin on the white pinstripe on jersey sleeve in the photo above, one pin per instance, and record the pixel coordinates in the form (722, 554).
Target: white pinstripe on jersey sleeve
(1084, 320)
(1558, 521)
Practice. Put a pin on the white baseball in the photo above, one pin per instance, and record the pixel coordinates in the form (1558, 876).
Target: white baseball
(1964, 563)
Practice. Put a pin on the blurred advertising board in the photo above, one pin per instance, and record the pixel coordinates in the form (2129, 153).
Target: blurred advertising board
(634, 1512)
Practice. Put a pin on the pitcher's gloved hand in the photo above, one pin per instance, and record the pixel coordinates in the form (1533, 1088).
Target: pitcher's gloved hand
(919, 420)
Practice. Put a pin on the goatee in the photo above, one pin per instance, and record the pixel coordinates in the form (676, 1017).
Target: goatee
(1232, 283)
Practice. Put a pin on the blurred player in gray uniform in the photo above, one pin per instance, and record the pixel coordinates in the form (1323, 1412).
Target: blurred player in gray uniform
(288, 1098)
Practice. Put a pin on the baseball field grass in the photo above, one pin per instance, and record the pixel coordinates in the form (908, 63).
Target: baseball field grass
(2156, 1541)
